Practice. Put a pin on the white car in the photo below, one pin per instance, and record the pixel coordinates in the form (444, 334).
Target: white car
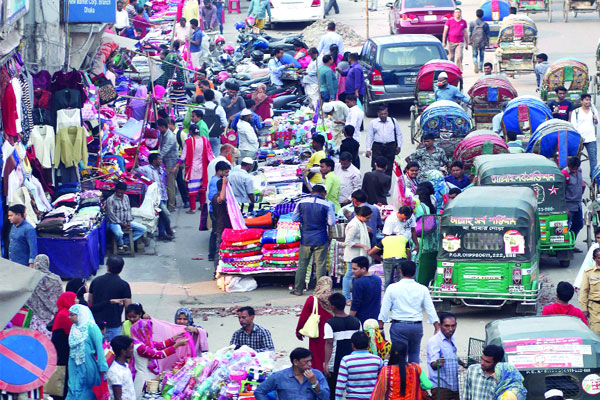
(297, 10)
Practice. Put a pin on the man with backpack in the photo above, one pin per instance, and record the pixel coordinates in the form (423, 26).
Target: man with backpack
(216, 120)
(479, 31)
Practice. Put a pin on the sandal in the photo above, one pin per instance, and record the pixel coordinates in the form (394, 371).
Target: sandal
(191, 212)
(295, 293)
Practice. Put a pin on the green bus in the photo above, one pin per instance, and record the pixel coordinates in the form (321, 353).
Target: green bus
(548, 183)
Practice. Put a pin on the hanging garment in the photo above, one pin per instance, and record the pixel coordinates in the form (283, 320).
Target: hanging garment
(71, 147)
(26, 106)
(43, 141)
(16, 85)
(67, 118)
(10, 115)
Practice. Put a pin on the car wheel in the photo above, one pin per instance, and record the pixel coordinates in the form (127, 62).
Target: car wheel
(369, 109)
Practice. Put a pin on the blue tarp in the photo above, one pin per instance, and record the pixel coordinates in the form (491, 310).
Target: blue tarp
(536, 112)
(503, 6)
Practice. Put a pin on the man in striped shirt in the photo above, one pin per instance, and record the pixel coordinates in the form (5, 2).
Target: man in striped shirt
(358, 371)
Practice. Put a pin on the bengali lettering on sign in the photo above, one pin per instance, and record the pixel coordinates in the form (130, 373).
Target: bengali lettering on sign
(501, 220)
(523, 178)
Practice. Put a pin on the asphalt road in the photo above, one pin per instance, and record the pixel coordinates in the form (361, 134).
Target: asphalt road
(178, 273)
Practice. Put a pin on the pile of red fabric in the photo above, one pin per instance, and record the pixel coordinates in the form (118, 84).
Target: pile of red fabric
(240, 250)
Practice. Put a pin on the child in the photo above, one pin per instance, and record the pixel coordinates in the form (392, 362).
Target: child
(133, 312)
(564, 294)
(350, 145)
(120, 381)
(514, 145)
(458, 177)
(453, 193)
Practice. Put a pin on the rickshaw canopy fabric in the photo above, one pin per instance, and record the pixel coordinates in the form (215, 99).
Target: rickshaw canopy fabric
(524, 114)
(492, 91)
(519, 28)
(445, 119)
(477, 143)
(494, 10)
(490, 222)
(428, 73)
(571, 73)
(555, 137)
(528, 170)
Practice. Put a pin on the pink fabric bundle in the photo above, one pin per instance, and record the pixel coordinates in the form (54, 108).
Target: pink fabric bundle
(163, 330)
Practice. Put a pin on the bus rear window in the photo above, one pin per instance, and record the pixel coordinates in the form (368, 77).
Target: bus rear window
(483, 241)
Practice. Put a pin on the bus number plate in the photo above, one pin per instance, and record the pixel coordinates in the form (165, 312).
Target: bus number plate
(516, 289)
(448, 287)
(557, 239)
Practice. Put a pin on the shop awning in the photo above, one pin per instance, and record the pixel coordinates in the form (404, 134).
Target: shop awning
(17, 283)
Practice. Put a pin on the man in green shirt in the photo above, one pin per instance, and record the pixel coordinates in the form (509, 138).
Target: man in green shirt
(197, 116)
(329, 83)
(332, 182)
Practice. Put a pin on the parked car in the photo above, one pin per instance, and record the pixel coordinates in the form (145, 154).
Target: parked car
(420, 16)
(296, 11)
(391, 64)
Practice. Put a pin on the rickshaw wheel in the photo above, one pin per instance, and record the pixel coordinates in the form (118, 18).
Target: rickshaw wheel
(564, 263)
(413, 118)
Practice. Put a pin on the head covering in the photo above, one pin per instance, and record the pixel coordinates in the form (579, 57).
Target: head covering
(509, 379)
(247, 160)
(327, 107)
(323, 291)
(553, 393)
(141, 333)
(61, 320)
(79, 332)
(188, 314)
(77, 286)
(43, 299)
(443, 75)
(377, 344)
(245, 112)
(260, 94)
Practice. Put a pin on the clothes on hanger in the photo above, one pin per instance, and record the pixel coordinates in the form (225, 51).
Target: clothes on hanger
(43, 142)
(71, 147)
(68, 117)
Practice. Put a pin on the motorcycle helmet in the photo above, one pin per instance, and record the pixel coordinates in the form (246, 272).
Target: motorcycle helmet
(250, 21)
(261, 45)
(228, 49)
(219, 41)
(239, 26)
(225, 59)
(222, 76)
(257, 56)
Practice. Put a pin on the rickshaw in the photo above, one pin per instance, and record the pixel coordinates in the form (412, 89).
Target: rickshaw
(494, 12)
(448, 122)
(535, 7)
(425, 88)
(580, 7)
(516, 45)
(551, 352)
(523, 115)
(556, 139)
(571, 73)
(548, 183)
(489, 95)
(488, 255)
(476, 143)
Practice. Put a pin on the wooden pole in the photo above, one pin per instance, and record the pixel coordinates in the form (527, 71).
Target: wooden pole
(367, 11)
(137, 149)
(152, 85)
(173, 103)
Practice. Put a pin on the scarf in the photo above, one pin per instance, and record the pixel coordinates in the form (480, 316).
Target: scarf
(188, 314)
(323, 291)
(141, 333)
(61, 320)
(260, 94)
(79, 332)
(509, 379)
(207, 157)
(45, 295)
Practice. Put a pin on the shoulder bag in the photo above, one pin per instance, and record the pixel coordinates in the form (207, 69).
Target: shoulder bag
(311, 327)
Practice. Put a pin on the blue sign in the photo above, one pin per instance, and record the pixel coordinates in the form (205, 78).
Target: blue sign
(92, 11)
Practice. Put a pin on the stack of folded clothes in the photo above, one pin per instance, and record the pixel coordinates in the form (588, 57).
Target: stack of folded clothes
(281, 246)
(75, 214)
(240, 250)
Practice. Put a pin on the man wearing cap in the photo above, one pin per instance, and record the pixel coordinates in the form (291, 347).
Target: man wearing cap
(383, 139)
(445, 91)
(554, 394)
(241, 182)
(247, 139)
(148, 10)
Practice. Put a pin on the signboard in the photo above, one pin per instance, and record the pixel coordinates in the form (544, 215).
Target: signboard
(547, 352)
(15, 9)
(27, 360)
(91, 11)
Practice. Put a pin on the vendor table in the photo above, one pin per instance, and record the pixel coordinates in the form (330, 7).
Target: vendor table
(75, 257)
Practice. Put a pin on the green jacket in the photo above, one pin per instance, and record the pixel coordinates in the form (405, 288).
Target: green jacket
(329, 83)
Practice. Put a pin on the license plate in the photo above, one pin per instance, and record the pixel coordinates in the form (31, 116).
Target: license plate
(516, 289)
(448, 287)
(430, 18)
(557, 239)
(410, 79)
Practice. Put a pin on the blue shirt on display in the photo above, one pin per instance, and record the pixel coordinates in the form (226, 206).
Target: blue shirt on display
(288, 59)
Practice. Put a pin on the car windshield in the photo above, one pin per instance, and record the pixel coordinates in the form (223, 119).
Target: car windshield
(428, 3)
(400, 57)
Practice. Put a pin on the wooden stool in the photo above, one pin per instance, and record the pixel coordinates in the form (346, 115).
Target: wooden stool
(129, 233)
(231, 4)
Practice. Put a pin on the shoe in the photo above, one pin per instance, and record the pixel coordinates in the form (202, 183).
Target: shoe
(123, 249)
(170, 232)
(476, 68)
(576, 250)
(165, 238)
(190, 212)
(211, 258)
(186, 204)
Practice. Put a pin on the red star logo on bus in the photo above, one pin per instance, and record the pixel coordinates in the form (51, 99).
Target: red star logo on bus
(553, 189)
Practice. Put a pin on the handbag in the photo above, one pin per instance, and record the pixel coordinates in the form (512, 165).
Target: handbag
(106, 90)
(56, 384)
(425, 224)
(311, 326)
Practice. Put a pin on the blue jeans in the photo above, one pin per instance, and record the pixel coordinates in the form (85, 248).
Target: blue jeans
(592, 150)
(138, 232)
(410, 334)
(164, 219)
(478, 53)
(576, 221)
(347, 282)
(215, 144)
(111, 333)
(220, 16)
(332, 4)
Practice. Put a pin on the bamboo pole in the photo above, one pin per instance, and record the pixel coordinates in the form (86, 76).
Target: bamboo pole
(367, 11)
(137, 149)
(152, 85)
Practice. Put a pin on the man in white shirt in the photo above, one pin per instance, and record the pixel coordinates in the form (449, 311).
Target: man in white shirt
(118, 377)
(383, 139)
(584, 120)
(337, 110)
(355, 115)
(403, 222)
(241, 182)
(248, 142)
(331, 37)
(122, 18)
(350, 178)
(403, 304)
(276, 67)
(311, 85)
(183, 31)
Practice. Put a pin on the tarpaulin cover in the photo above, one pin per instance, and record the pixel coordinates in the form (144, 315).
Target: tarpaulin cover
(75, 257)
(525, 109)
(429, 72)
(555, 137)
(17, 282)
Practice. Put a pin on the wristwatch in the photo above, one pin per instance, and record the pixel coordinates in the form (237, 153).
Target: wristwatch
(315, 385)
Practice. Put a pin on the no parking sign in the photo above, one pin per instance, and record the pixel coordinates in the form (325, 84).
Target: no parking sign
(27, 360)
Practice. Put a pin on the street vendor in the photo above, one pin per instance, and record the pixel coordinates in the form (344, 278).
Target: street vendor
(118, 213)
(446, 91)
